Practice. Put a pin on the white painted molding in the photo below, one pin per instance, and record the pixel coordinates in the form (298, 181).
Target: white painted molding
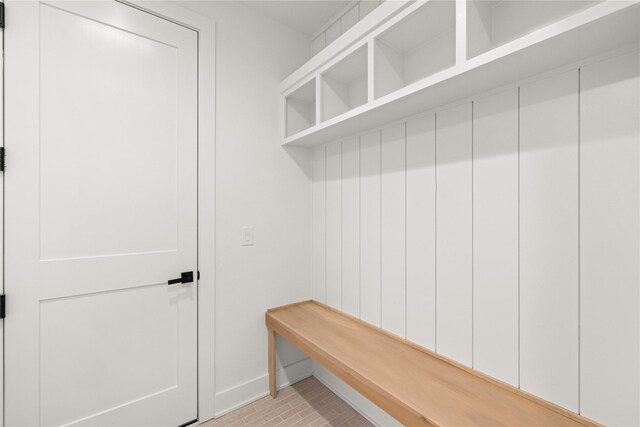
(2, 229)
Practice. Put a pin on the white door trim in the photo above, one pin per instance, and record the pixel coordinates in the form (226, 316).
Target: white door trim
(206, 190)
(2, 227)
(206, 196)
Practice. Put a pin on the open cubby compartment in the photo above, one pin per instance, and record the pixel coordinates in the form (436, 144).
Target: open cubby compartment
(345, 85)
(492, 23)
(301, 108)
(418, 46)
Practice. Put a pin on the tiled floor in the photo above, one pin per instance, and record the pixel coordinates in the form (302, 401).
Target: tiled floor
(306, 403)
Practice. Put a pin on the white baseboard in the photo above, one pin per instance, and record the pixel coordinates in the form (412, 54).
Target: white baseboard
(250, 391)
(364, 406)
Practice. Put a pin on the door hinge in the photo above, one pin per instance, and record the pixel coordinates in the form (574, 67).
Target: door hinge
(2, 306)
(198, 274)
(1, 159)
(1, 15)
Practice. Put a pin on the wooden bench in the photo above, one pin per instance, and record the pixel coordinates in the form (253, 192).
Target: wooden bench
(414, 385)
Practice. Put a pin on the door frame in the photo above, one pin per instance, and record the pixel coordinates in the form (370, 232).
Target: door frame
(205, 28)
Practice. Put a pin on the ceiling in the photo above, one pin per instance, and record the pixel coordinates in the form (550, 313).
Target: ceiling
(306, 16)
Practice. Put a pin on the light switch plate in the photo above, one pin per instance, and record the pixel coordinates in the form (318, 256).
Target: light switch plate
(247, 236)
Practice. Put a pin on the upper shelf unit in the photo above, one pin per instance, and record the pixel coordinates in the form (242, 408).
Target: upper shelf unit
(407, 57)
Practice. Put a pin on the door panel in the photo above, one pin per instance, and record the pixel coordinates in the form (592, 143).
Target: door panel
(119, 80)
(101, 112)
(81, 368)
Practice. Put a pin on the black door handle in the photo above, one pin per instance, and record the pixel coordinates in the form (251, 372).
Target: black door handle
(186, 277)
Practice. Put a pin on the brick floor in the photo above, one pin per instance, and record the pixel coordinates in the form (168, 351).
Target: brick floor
(306, 403)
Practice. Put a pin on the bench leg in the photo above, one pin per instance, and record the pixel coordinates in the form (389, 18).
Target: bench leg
(272, 363)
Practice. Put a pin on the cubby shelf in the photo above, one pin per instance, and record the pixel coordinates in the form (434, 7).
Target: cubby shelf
(301, 108)
(421, 44)
(492, 23)
(425, 54)
(344, 85)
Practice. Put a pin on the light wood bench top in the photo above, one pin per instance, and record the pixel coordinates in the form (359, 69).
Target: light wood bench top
(414, 385)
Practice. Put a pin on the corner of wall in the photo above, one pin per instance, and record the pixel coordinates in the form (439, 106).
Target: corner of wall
(364, 406)
(252, 390)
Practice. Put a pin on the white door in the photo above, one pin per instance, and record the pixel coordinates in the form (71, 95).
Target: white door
(101, 180)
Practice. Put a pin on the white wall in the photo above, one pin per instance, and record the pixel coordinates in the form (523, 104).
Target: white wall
(259, 184)
(503, 232)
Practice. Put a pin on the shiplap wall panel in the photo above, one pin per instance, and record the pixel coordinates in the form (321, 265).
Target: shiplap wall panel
(318, 44)
(349, 19)
(351, 226)
(334, 225)
(370, 252)
(495, 235)
(367, 6)
(319, 222)
(609, 233)
(549, 239)
(509, 173)
(454, 224)
(421, 231)
(333, 32)
(393, 230)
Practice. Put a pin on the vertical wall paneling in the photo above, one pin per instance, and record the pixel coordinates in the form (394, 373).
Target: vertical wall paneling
(421, 231)
(454, 224)
(350, 18)
(495, 236)
(318, 291)
(503, 233)
(366, 7)
(351, 226)
(393, 230)
(609, 233)
(549, 239)
(334, 225)
(370, 254)
(318, 44)
(332, 33)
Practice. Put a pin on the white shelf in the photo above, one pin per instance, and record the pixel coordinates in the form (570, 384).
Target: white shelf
(344, 85)
(543, 36)
(493, 23)
(301, 108)
(420, 45)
